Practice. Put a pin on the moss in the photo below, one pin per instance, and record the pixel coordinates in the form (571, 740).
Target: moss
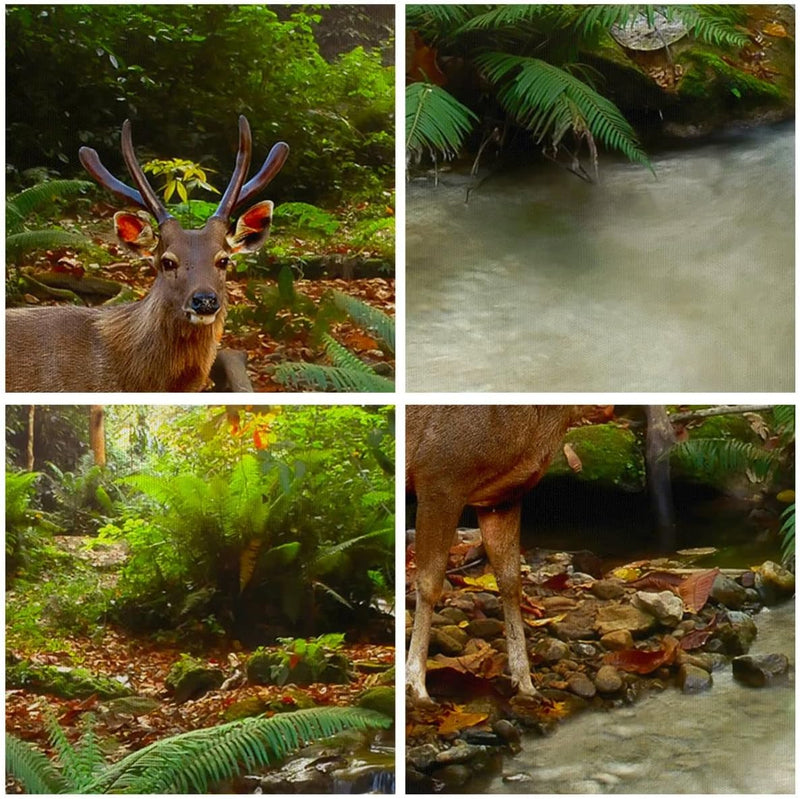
(610, 455)
(66, 683)
(380, 698)
(189, 678)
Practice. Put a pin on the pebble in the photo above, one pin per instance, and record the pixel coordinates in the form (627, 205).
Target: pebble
(759, 670)
(581, 685)
(693, 679)
(608, 680)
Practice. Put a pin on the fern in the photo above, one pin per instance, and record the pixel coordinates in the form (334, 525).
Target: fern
(787, 534)
(318, 377)
(192, 761)
(709, 25)
(27, 201)
(722, 456)
(18, 244)
(366, 316)
(435, 121)
(550, 101)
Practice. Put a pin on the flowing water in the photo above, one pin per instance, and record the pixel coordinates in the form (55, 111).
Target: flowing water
(679, 282)
(730, 739)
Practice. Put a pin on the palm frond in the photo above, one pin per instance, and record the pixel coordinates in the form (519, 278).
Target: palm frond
(435, 121)
(32, 769)
(193, 761)
(787, 534)
(784, 420)
(603, 16)
(437, 18)
(710, 26)
(724, 456)
(367, 316)
(329, 378)
(549, 101)
(511, 16)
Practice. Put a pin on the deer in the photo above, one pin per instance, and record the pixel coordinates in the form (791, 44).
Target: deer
(485, 456)
(168, 340)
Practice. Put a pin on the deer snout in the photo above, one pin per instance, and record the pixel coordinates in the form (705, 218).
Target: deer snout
(203, 307)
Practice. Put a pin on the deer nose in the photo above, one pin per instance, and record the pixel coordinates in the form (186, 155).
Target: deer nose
(204, 303)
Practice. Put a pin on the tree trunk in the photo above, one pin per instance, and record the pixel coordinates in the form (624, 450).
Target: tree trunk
(660, 440)
(29, 448)
(97, 434)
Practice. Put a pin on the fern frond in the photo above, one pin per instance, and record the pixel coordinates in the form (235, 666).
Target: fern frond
(603, 16)
(364, 315)
(195, 760)
(511, 16)
(708, 25)
(784, 420)
(28, 200)
(329, 378)
(435, 121)
(723, 456)
(342, 358)
(80, 762)
(32, 769)
(17, 244)
(437, 18)
(549, 100)
(787, 533)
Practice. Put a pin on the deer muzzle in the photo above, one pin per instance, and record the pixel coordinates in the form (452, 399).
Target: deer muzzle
(203, 308)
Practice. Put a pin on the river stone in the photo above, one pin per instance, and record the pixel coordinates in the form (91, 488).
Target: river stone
(508, 731)
(608, 680)
(442, 642)
(728, 592)
(581, 685)
(577, 624)
(460, 753)
(608, 589)
(453, 615)
(735, 634)
(617, 640)
(692, 679)
(775, 581)
(422, 757)
(490, 604)
(455, 632)
(664, 605)
(551, 650)
(486, 628)
(584, 650)
(453, 776)
(623, 617)
(760, 670)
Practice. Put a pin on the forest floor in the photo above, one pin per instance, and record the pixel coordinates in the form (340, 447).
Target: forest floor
(294, 340)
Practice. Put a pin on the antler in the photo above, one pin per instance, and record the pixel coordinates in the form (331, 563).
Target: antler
(275, 160)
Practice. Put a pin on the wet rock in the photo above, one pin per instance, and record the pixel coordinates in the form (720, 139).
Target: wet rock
(728, 592)
(551, 650)
(517, 779)
(453, 616)
(578, 624)
(703, 660)
(760, 670)
(734, 635)
(422, 757)
(507, 731)
(617, 640)
(489, 604)
(664, 605)
(608, 680)
(460, 753)
(458, 634)
(692, 679)
(623, 617)
(581, 685)
(443, 642)
(454, 775)
(774, 582)
(608, 589)
(486, 628)
(585, 650)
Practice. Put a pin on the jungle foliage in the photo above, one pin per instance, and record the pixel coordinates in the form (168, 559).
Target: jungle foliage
(183, 74)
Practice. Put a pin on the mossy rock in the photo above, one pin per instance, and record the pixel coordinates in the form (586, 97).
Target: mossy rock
(611, 456)
(267, 668)
(273, 668)
(190, 678)
(387, 677)
(66, 683)
(380, 698)
(291, 699)
(246, 708)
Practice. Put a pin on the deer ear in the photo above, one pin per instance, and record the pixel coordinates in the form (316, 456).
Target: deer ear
(135, 232)
(252, 228)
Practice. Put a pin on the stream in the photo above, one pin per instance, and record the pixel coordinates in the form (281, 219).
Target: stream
(679, 282)
(730, 739)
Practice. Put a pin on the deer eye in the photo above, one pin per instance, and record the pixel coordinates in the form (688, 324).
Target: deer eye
(169, 264)
(223, 262)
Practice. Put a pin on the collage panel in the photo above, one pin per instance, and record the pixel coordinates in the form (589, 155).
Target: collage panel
(600, 599)
(200, 599)
(251, 248)
(600, 198)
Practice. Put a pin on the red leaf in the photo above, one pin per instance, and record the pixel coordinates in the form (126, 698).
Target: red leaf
(694, 590)
(640, 661)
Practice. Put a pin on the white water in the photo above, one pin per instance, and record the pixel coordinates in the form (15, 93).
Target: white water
(684, 282)
(730, 739)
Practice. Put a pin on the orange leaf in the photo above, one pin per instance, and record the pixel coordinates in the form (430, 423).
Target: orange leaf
(694, 590)
(457, 719)
(641, 661)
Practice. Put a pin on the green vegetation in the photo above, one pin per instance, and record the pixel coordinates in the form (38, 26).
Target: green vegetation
(191, 762)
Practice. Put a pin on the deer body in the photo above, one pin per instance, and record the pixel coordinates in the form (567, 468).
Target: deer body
(488, 457)
(168, 340)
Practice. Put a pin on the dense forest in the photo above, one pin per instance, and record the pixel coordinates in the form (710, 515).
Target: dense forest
(197, 566)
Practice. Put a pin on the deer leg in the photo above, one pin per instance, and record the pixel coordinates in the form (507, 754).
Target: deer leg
(500, 533)
(437, 519)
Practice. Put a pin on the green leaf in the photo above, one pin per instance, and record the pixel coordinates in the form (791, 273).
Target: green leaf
(435, 120)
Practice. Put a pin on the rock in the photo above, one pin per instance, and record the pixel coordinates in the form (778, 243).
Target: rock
(381, 698)
(774, 582)
(760, 670)
(664, 605)
(454, 616)
(442, 642)
(623, 617)
(734, 635)
(454, 775)
(692, 679)
(456, 633)
(190, 678)
(608, 680)
(489, 604)
(617, 640)
(422, 757)
(64, 682)
(551, 650)
(245, 708)
(608, 589)
(728, 592)
(460, 753)
(584, 650)
(581, 685)
(507, 731)
(578, 624)
(703, 660)
(486, 628)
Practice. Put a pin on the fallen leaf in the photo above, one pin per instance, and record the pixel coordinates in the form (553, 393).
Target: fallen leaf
(573, 461)
(694, 590)
(458, 719)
